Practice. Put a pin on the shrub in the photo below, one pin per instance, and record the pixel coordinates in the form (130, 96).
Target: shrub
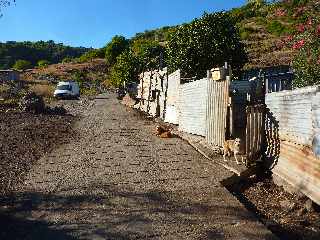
(118, 45)
(22, 65)
(126, 69)
(67, 60)
(93, 54)
(205, 43)
(43, 63)
(307, 61)
(149, 53)
(277, 28)
(43, 90)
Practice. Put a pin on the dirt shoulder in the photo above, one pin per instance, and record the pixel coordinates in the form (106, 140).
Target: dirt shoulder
(24, 138)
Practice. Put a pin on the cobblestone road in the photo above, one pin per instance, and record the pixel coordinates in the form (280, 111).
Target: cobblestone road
(119, 181)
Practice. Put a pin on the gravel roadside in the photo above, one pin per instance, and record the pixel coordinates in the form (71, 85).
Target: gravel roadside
(117, 180)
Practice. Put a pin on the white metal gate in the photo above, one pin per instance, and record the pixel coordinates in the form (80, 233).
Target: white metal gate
(193, 107)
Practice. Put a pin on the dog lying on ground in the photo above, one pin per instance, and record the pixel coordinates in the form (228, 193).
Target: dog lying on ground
(163, 132)
(232, 146)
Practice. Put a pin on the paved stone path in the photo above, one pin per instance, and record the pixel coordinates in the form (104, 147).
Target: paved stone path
(119, 181)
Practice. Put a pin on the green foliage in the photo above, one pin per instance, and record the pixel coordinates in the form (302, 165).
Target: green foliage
(12, 51)
(205, 43)
(43, 63)
(126, 69)
(117, 46)
(277, 28)
(249, 10)
(93, 54)
(22, 65)
(5, 3)
(307, 62)
(80, 77)
(149, 53)
(158, 35)
(67, 60)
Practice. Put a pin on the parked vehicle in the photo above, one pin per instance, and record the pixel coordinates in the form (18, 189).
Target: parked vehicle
(67, 90)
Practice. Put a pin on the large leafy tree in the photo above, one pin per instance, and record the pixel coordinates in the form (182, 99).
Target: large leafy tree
(126, 69)
(205, 43)
(118, 45)
(150, 54)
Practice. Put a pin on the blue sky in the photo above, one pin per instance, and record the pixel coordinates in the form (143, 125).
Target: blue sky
(92, 23)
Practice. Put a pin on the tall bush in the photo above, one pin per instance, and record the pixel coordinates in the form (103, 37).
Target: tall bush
(307, 61)
(118, 45)
(126, 69)
(22, 65)
(204, 43)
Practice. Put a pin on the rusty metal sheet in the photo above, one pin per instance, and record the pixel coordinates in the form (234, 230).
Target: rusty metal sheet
(298, 166)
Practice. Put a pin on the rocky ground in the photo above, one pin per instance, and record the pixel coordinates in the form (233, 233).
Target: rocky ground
(116, 180)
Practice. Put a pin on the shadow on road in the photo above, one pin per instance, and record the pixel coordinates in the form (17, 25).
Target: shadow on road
(101, 212)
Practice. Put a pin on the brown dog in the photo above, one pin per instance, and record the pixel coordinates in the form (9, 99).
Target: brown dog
(163, 132)
(232, 146)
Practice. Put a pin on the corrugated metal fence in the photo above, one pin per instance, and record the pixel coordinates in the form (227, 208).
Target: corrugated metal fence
(217, 109)
(255, 132)
(294, 115)
(193, 107)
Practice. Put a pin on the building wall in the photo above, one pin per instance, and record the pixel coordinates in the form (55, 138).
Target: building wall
(292, 127)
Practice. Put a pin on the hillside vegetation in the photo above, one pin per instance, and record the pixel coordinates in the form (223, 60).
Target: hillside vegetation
(256, 35)
(34, 52)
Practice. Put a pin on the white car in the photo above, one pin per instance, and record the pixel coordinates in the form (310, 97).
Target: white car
(67, 89)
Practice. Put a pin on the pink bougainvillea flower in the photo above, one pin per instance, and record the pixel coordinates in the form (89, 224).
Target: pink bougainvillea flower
(298, 44)
(300, 28)
(318, 30)
(288, 39)
(280, 12)
(299, 11)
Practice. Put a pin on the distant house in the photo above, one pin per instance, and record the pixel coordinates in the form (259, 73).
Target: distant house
(9, 75)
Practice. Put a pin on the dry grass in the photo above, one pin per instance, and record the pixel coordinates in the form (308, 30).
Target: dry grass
(43, 90)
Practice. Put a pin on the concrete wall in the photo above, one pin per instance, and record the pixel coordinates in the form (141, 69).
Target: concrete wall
(292, 128)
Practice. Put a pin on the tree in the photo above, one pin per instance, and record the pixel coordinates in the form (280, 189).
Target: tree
(117, 46)
(150, 54)
(33, 52)
(205, 43)
(256, 3)
(22, 65)
(43, 63)
(307, 60)
(126, 69)
(5, 3)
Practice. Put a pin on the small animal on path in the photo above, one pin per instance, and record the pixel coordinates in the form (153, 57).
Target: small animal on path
(163, 132)
(232, 146)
